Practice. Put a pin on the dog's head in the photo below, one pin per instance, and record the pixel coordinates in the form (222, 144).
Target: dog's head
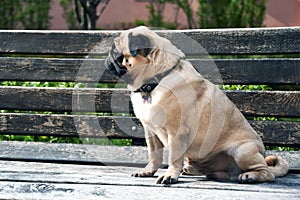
(139, 54)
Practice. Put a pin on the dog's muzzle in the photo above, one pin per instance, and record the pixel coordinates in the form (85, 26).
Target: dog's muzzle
(114, 61)
(114, 67)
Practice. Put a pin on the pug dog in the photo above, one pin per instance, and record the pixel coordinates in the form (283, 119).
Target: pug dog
(204, 131)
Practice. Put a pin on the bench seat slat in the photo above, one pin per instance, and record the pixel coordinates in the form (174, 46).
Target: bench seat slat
(272, 132)
(232, 71)
(28, 180)
(214, 41)
(251, 103)
(95, 154)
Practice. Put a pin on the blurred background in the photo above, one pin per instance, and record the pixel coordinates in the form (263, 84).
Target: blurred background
(169, 14)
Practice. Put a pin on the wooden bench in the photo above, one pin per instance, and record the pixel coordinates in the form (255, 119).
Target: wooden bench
(91, 111)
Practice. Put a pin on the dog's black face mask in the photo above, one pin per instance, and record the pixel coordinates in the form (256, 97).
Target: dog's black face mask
(114, 62)
(138, 45)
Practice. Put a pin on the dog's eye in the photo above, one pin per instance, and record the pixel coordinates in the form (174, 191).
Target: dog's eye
(133, 53)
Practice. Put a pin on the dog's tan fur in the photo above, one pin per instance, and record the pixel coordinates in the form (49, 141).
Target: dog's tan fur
(193, 118)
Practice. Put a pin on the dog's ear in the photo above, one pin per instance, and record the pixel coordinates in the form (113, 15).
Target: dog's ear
(139, 44)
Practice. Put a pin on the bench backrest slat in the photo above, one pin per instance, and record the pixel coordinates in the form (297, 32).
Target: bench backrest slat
(273, 133)
(99, 100)
(231, 71)
(218, 41)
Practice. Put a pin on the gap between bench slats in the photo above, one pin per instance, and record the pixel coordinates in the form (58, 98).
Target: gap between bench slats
(272, 132)
(228, 71)
(253, 103)
(214, 41)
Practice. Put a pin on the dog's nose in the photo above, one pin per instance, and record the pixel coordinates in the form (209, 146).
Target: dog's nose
(125, 63)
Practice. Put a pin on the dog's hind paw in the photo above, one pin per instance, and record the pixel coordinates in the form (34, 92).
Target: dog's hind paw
(248, 178)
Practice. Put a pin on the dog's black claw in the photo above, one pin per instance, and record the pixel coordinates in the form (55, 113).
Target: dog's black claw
(135, 175)
(142, 174)
(166, 180)
(246, 179)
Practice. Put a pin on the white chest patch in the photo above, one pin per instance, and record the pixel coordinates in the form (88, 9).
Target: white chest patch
(143, 106)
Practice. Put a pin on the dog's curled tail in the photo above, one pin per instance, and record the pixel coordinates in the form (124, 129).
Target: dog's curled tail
(277, 165)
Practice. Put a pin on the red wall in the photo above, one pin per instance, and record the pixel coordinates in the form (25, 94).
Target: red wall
(121, 13)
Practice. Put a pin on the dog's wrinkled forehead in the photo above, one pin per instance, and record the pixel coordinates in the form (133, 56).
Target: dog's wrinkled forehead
(134, 40)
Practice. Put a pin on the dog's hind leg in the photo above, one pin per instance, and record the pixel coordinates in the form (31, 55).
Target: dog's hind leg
(218, 176)
(252, 163)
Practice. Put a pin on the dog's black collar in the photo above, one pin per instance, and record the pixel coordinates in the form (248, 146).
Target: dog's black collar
(153, 82)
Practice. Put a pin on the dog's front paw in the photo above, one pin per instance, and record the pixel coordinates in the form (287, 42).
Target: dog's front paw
(167, 178)
(143, 173)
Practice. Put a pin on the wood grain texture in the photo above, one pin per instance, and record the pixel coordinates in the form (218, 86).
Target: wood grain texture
(238, 41)
(71, 125)
(56, 42)
(267, 103)
(227, 71)
(251, 103)
(64, 99)
(23, 180)
(54, 69)
(213, 41)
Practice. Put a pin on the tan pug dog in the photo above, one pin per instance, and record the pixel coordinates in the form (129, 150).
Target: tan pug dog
(181, 110)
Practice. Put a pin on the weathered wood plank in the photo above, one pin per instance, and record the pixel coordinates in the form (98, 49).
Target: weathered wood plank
(53, 191)
(116, 175)
(253, 103)
(96, 154)
(275, 133)
(71, 125)
(35, 180)
(237, 41)
(227, 71)
(56, 42)
(40, 190)
(267, 103)
(64, 99)
(54, 69)
(214, 41)
(272, 132)
(259, 71)
(49, 178)
(75, 153)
